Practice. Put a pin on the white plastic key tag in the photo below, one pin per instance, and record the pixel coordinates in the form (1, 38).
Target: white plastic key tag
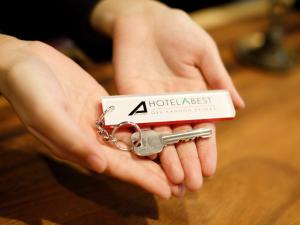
(171, 108)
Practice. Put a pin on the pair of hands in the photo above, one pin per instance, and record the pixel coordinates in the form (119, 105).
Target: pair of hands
(156, 49)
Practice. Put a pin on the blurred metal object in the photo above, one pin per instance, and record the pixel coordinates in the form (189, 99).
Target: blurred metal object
(267, 50)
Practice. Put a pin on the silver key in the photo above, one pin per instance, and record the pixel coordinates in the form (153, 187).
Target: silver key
(153, 142)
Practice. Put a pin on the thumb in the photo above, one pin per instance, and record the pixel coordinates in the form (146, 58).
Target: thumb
(216, 74)
(67, 140)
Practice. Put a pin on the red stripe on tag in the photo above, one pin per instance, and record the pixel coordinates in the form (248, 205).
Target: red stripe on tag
(177, 122)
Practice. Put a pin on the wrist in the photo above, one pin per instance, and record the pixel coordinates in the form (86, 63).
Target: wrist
(10, 54)
(108, 13)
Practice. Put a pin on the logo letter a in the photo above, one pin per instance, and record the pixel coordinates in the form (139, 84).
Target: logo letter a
(138, 110)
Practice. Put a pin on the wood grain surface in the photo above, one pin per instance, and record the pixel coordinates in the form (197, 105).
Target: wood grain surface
(257, 180)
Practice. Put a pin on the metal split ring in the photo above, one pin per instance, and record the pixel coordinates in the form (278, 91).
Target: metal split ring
(111, 137)
(126, 123)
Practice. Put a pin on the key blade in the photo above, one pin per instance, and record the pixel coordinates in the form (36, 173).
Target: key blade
(205, 132)
(186, 135)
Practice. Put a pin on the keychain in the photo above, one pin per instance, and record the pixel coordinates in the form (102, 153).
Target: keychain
(172, 108)
(147, 142)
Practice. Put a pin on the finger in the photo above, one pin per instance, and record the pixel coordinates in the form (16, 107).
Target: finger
(59, 154)
(152, 157)
(190, 162)
(169, 159)
(59, 131)
(178, 190)
(134, 170)
(207, 150)
(216, 75)
(137, 170)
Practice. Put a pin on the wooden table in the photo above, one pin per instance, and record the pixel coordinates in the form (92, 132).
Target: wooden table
(257, 180)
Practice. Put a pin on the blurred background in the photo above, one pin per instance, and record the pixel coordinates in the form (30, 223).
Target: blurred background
(258, 176)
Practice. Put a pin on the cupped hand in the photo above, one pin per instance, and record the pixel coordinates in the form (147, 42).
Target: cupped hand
(59, 103)
(163, 50)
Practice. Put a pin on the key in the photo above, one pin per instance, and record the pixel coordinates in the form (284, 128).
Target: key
(153, 142)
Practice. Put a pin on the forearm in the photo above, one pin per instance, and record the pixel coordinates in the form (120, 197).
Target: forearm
(107, 13)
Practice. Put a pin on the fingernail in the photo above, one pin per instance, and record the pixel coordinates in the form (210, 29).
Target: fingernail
(165, 193)
(182, 190)
(238, 100)
(96, 163)
(242, 103)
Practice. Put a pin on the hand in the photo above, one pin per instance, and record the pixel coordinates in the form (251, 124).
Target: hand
(158, 49)
(58, 102)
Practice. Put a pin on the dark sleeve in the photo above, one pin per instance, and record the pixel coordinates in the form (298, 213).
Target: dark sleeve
(48, 19)
(297, 4)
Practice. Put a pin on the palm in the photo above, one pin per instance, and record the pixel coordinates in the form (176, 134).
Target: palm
(150, 81)
(163, 61)
(61, 107)
(172, 55)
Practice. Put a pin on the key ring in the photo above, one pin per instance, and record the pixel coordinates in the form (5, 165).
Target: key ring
(111, 137)
(126, 123)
